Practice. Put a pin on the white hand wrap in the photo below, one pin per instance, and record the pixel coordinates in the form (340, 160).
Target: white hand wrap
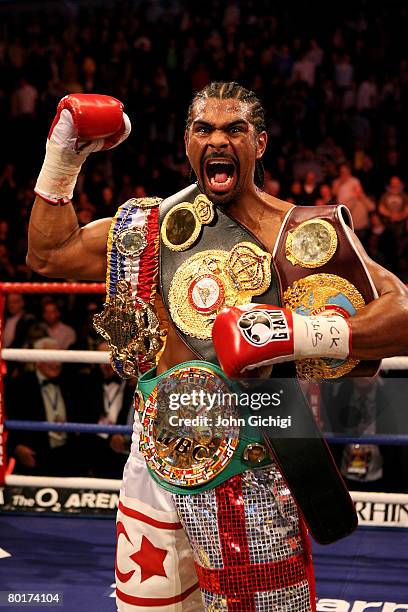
(57, 179)
(321, 336)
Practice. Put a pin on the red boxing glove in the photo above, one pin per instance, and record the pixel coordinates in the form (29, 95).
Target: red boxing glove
(84, 123)
(250, 336)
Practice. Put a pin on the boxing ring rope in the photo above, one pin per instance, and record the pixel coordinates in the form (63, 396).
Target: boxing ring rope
(66, 482)
(67, 356)
(63, 356)
(6, 288)
(67, 427)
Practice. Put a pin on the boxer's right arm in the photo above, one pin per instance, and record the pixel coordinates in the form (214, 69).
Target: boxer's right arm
(57, 246)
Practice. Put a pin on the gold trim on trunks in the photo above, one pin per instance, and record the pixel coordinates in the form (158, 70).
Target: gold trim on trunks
(311, 244)
(209, 281)
(323, 294)
(182, 224)
(187, 444)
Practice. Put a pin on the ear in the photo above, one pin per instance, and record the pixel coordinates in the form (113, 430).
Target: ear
(186, 139)
(261, 141)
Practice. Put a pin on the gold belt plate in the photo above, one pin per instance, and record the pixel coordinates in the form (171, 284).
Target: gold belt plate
(182, 224)
(209, 281)
(311, 244)
(131, 328)
(185, 445)
(324, 294)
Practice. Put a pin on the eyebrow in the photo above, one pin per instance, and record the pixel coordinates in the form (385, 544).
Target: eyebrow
(235, 123)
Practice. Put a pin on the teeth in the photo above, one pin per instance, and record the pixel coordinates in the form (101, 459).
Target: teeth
(214, 182)
(220, 163)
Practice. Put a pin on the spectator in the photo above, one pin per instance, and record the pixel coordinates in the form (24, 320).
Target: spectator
(315, 53)
(24, 100)
(64, 334)
(367, 94)
(365, 171)
(295, 193)
(44, 395)
(393, 206)
(8, 186)
(4, 231)
(392, 166)
(271, 185)
(325, 195)
(380, 243)
(336, 113)
(110, 402)
(7, 270)
(358, 407)
(360, 207)
(344, 72)
(306, 161)
(345, 184)
(18, 322)
(140, 191)
(304, 70)
(310, 189)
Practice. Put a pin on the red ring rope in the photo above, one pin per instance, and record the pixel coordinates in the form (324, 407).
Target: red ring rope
(52, 288)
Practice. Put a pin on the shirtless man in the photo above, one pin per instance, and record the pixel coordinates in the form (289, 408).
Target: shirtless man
(225, 124)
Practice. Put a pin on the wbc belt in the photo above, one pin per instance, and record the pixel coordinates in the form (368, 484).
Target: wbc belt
(192, 446)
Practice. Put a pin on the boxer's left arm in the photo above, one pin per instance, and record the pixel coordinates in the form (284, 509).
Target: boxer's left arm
(380, 329)
(253, 335)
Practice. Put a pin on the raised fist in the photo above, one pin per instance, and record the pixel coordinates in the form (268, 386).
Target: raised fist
(83, 124)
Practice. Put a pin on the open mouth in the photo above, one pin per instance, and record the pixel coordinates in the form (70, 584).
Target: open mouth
(220, 174)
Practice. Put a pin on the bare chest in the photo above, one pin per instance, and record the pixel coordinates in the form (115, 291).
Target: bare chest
(265, 227)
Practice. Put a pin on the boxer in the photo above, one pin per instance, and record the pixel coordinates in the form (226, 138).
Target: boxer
(240, 565)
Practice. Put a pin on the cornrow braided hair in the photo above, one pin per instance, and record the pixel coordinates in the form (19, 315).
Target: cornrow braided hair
(232, 90)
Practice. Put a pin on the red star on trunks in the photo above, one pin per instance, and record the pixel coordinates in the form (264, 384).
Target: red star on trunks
(150, 559)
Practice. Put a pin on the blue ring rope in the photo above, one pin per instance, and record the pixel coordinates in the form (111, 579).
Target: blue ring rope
(389, 439)
(68, 427)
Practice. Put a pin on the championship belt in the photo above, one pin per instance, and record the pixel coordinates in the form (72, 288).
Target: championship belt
(191, 444)
(129, 322)
(321, 272)
(181, 442)
(208, 261)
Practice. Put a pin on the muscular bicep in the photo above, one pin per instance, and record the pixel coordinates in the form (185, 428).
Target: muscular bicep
(59, 248)
(84, 256)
